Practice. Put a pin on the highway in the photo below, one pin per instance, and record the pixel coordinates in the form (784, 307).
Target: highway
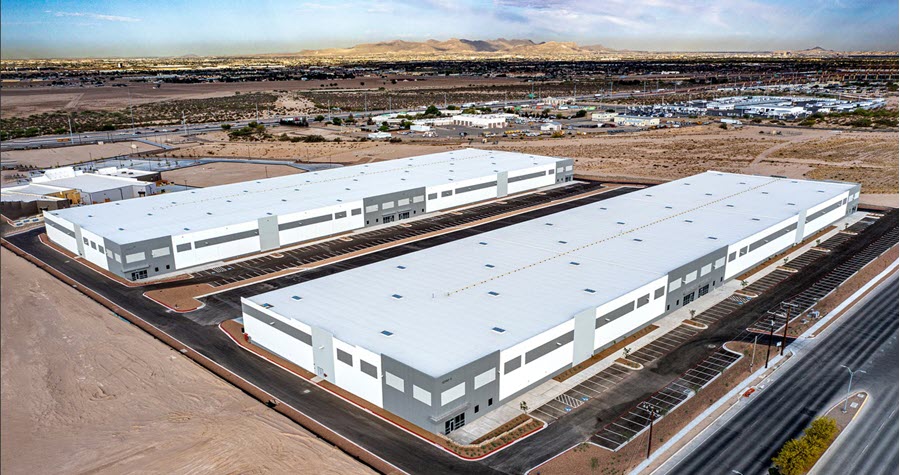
(866, 338)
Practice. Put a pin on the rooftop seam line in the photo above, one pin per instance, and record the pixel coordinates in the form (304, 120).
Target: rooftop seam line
(623, 233)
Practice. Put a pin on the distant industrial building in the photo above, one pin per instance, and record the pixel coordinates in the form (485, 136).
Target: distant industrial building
(551, 127)
(774, 107)
(96, 188)
(29, 200)
(603, 116)
(483, 121)
(379, 135)
(165, 233)
(444, 335)
(635, 121)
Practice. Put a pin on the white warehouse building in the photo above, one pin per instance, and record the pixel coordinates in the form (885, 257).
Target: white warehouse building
(163, 234)
(444, 335)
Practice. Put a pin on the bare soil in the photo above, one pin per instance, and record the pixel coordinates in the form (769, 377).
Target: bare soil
(85, 392)
(223, 173)
(62, 156)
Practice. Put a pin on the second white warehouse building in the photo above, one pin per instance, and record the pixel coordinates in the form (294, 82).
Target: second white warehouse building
(162, 234)
(444, 335)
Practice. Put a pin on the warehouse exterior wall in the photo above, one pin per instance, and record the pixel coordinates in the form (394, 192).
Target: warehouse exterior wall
(615, 319)
(536, 359)
(197, 248)
(696, 278)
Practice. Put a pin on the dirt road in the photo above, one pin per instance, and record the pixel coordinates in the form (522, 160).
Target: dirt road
(83, 391)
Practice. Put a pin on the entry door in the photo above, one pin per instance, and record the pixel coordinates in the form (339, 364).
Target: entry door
(403, 215)
(320, 372)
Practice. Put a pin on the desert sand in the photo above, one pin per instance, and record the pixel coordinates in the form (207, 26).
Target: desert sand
(62, 156)
(223, 173)
(86, 392)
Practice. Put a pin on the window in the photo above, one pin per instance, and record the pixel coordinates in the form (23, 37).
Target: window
(703, 290)
(340, 214)
(447, 193)
(85, 241)
(156, 269)
(93, 245)
(168, 266)
(485, 378)
(393, 381)
(659, 293)
(690, 277)
(490, 401)
(100, 248)
(344, 357)
(355, 212)
(476, 409)
(453, 394)
(368, 368)
(689, 298)
(422, 395)
(432, 196)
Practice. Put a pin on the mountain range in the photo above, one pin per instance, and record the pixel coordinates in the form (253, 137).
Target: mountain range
(456, 46)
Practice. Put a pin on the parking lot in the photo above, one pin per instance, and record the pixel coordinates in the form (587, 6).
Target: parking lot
(233, 272)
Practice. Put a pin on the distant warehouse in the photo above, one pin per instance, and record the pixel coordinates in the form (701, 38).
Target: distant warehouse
(162, 234)
(444, 335)
(635, 121)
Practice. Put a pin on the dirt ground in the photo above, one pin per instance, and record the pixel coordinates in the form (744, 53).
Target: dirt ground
(61, 156)
(867, 157)
(222, 173)
(85, 392)
(24, 99)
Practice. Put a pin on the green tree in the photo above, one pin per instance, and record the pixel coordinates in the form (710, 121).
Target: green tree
(226, 126)
(319, 118)
(433, 111)
(581, 113)
(793, 458)
(337, 121)
(819, 433)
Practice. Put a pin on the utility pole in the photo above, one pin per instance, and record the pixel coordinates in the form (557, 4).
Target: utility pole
(850, 384)
(753, 358)
(71, 139)
(257, 112)
(771, 336)
(653, 413)
(787, 320)
(184, 124)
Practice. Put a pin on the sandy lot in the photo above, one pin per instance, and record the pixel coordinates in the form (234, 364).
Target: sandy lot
(221, 173)
(51, 157)
(24, 99)
(85, 392)
(867, 157)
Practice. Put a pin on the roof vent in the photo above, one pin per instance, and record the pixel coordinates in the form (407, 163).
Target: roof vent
(297, 297)
(267, 305)
(712, 237)
(483, 243)
(603, 208)
(755, 219)
(668, 207)
(397, 296)
(548, 224)
(688, 221)
(637, 240)
(563, 242)
(499, 330)
(401, 267)
(489, 266)
(730, 206)
(387, 333)
(590, 291)
(620, 222)
(708, 194)
(575, 263)
(493, 293)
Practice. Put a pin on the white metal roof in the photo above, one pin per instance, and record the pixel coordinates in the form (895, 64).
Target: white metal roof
(93, 183)
(446, 314)
(170, 213)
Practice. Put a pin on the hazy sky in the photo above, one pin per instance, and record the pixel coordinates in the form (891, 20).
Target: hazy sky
(159, 28)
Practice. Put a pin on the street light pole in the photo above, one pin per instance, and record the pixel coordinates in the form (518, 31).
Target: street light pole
(849, 384)
(787, 320)
(653, 411)
(771, 336)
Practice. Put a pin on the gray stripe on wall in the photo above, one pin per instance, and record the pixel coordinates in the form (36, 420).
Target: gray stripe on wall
(614, 314)
(822, 212)
(772, 237)
(305, 222)
(551, 345)
(223, 239)
(60, 227)
(479, 186)
(278, 325)
(183, 247)
(512, 365)
(529, 176)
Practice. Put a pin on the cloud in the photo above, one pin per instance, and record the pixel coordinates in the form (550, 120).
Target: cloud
(94, 16)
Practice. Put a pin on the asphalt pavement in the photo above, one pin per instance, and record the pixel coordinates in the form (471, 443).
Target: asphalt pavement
(866, 338)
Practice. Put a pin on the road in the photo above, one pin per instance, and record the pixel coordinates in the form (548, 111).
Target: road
(865, 338)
